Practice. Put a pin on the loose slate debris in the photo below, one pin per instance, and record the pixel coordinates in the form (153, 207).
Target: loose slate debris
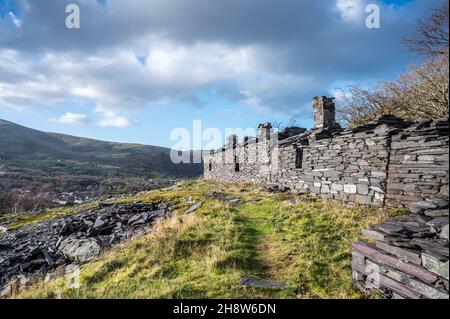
(410, 258)
(276, 188)
(3, 230)
(80, 250)
(255, 283)
(194, 208)
(233, 201)
(40, 249)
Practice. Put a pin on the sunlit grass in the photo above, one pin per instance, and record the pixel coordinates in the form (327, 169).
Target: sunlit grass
(303, 242)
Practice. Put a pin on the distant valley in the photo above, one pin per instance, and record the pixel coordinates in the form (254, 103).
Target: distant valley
(49, 168)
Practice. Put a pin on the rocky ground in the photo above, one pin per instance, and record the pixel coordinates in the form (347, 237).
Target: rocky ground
(38, 249)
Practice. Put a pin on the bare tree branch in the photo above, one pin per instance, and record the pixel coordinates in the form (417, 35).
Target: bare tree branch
(431, 35)
(420, 93)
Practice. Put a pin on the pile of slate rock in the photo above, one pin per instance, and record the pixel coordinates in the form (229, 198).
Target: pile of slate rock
(39, 249)
(409, 258)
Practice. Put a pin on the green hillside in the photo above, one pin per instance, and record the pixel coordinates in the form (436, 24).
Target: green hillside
(25, 147)
(31, 159)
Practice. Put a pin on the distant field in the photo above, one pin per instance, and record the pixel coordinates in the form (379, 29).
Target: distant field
(29, 158)
(36, 163)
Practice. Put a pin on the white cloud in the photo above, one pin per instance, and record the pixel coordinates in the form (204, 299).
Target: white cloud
(275, 63)
(116, 121)
(72, 119)
(350, 10)
(17, 22)
(173, 72)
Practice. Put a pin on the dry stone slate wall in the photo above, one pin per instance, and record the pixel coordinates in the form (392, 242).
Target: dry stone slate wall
(418, 163)
(388, 162)
(249, 161)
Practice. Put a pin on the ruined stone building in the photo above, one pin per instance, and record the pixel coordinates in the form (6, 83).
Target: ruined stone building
(388, 162)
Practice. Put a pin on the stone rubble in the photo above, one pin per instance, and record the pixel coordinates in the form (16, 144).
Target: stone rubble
(40, 249)
(226, 199)
(410, 256)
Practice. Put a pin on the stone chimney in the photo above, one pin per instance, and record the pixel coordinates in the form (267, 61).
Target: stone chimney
(264, 131)
(232, 141)
(324, 112)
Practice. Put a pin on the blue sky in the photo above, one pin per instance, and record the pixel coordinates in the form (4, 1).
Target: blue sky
(137, 69)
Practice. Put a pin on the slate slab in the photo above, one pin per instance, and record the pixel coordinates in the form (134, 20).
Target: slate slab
(436, 265)
(80, 250)
(374, 254)
(408, 255)
(374, 234)
(410, 283)
(439, 222)
(436, 212)
(444, 233)
(432, 247)
(406, 230)
(194, 208)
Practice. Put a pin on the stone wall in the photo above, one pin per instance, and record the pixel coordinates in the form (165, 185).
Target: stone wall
(346, 165)
(418, 163)
(388, 162)
(248, 162)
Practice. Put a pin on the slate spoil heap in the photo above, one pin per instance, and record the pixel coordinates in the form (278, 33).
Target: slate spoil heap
(410, 256)
(31, 253)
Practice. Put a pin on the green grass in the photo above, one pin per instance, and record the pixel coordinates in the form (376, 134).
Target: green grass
(303, 242)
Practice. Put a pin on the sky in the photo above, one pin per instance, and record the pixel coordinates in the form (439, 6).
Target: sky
(136, 70)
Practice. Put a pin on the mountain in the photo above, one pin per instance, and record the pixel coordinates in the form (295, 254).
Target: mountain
(25, 152)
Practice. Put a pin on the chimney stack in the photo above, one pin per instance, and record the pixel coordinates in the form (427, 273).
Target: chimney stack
(264, 131)
(324, 112)
(232, 141)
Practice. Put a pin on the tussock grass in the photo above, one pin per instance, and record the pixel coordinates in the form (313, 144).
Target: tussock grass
(303, 242)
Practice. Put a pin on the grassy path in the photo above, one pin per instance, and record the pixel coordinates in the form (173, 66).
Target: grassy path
(260, 236)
